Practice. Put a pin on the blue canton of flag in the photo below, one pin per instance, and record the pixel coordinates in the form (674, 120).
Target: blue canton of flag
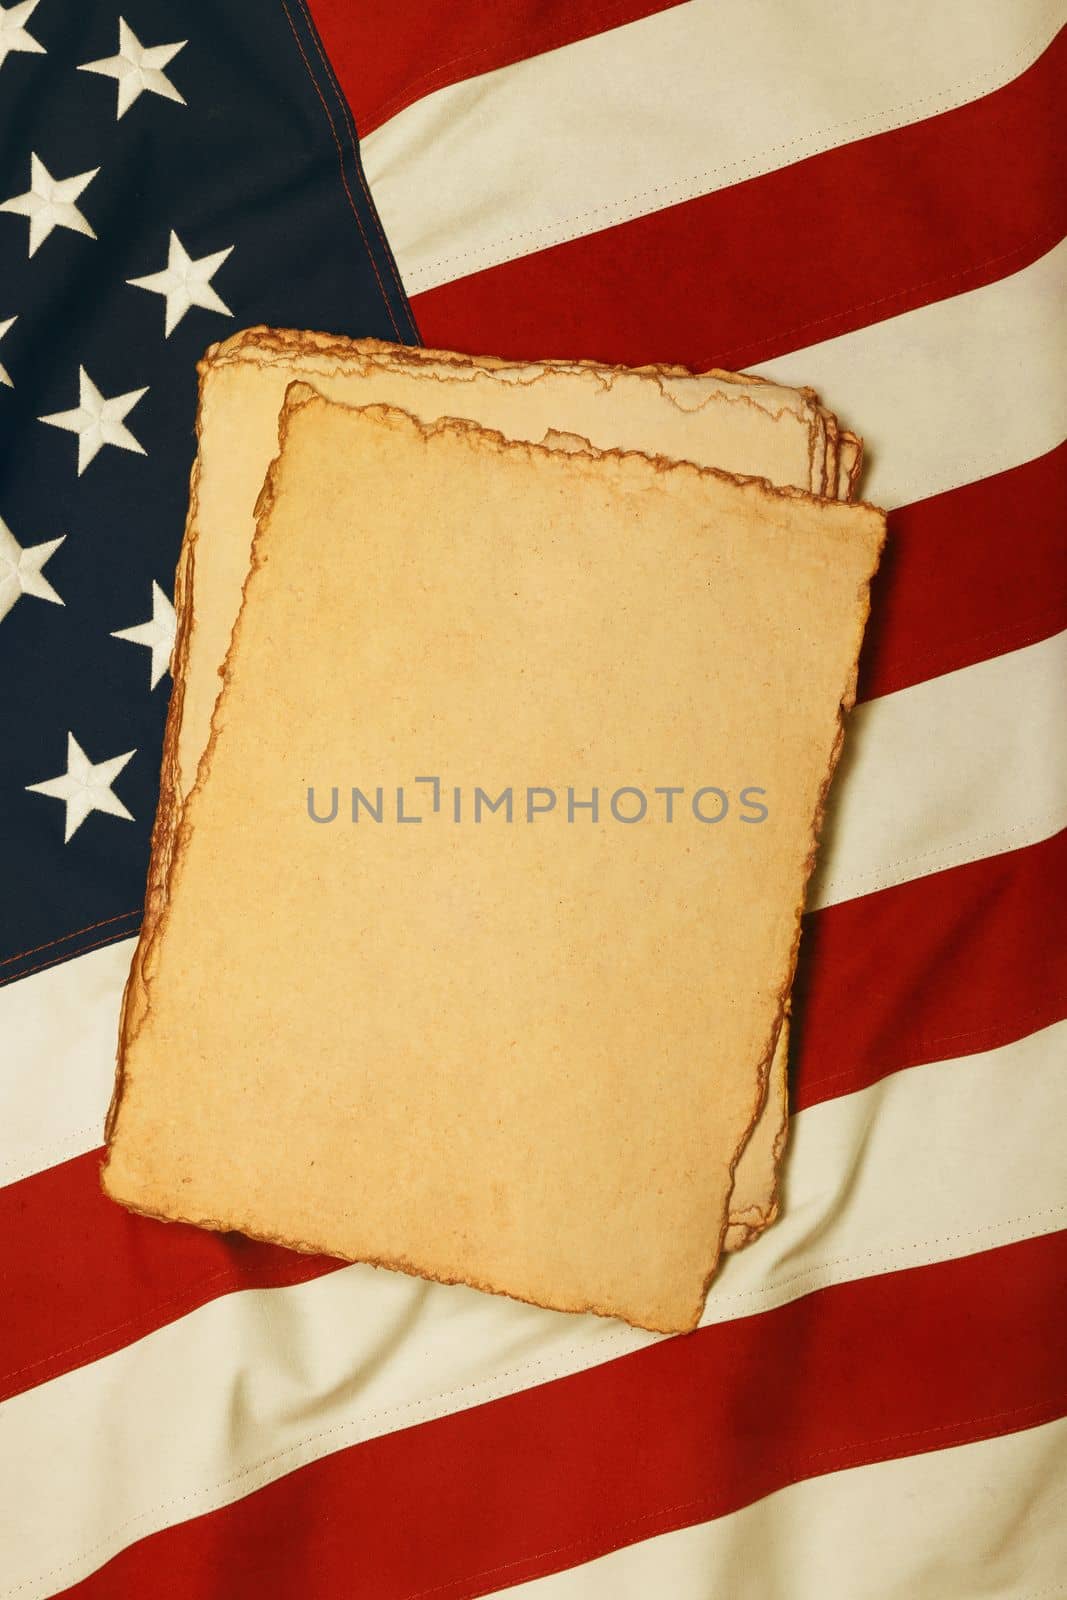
(167, 175)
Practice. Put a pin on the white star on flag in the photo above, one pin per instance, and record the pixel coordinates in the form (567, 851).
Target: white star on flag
(20, 570)
(85, 787)
(4, 375)
(157, 633)
(13, 35)
(49, 203)
(137, 67)
(97, 421)
(185, 281)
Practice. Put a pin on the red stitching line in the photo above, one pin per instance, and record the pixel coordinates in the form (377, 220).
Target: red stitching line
(518, 52)
(1043, 626)
(274, 1278)
(1040, 1410)
(32, 951)
(888, 1067)
(743, 168)
(353, 141)
(16, 977)
(341, 163)
(1049, 234)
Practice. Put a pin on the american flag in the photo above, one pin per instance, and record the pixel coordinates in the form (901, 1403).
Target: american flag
(865, 197)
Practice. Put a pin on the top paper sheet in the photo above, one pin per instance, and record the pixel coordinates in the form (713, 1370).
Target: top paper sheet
(522, 1055)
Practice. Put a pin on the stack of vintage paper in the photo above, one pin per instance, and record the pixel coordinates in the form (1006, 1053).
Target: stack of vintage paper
(506, 700)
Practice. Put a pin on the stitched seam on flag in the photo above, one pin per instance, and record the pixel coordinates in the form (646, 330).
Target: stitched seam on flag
(913, 490)
(341, 162)
(1043, 1410)
(1044, 239)
(69, 955)
(103, 923)
(272, 1278)
(354, 145)
(947, 854)
(1045, 625)
(689, 186)
(346, 113)
(417, 88)
(885, 1067)
(560, 1367)
(738, 1296)
(73, 1146)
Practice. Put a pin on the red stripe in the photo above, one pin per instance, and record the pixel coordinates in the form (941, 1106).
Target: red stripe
(955, 963)
(968, 575)
(82, 1277)
(389, 53)
(962, 961)
(817, 249)
(691, 1429)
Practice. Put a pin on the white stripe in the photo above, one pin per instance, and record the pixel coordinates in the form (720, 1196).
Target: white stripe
(945, 772)
(668, 108)
(901, 1174)
(933, 1163)
(59, 1029)
(979, 1519)
(955, 769)
(954, 391)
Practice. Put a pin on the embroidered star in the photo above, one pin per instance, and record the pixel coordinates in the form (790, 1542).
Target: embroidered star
(4, 375)
(185, 282)
(97, 421)
(49, 203)
(157, 633)
(85, 787)
(13, 35)
(137, 67)
(20, 570)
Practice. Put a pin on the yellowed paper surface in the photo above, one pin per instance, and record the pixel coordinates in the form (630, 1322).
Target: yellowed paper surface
(521, 1056)
(772, 430)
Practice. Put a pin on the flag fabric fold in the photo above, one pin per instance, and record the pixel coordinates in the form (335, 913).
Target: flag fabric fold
(861, 197)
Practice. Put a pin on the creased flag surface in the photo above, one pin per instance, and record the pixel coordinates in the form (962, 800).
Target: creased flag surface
(865, 198)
